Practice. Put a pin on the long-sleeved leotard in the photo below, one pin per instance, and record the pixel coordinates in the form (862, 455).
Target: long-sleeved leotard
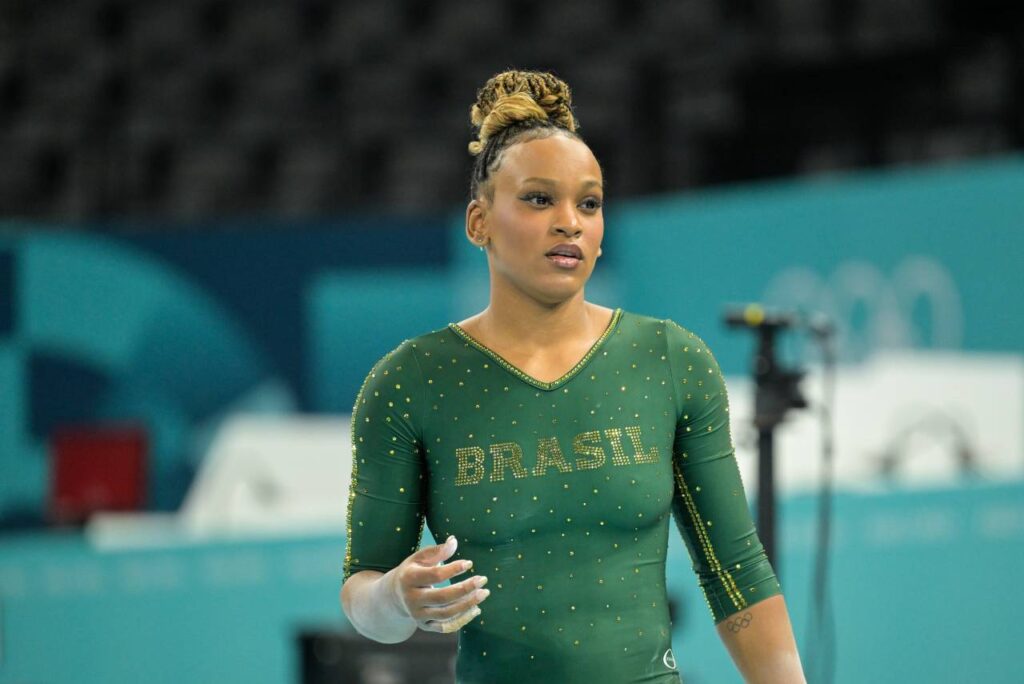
(560, 492)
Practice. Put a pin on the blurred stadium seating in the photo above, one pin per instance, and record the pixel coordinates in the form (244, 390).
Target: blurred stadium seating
(183, 109)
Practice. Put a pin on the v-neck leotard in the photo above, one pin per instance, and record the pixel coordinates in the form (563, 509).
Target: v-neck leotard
(560, 492)
(554, 384)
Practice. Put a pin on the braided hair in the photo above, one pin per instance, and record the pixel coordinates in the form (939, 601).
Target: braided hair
(516, 106)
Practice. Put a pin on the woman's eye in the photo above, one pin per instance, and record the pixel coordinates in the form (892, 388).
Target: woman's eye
(591, 204)
(537, 199)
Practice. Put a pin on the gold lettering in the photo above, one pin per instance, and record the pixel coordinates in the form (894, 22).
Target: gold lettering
(471, 465)
(549, 454)
(619, 456)
(639, 454)
(513, 458)
(587, 447)
(595, 453)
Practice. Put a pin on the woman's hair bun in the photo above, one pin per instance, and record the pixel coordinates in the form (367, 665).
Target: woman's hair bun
(514, 96)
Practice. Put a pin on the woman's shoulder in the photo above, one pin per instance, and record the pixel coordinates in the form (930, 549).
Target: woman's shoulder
(681, 342)
(425, 343)
(656, 326)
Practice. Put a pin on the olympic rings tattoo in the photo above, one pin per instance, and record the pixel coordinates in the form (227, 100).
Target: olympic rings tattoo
(739, 623)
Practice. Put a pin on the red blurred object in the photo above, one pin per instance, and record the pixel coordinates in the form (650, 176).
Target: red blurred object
(96, 469)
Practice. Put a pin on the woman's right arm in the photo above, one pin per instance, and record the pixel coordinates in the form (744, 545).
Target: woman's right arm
(387, 500)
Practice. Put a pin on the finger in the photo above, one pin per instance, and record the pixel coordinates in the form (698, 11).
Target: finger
(459, 621)
(452, 624)
(445, 595)
(455, 608)
(432, 555)
(421, 576)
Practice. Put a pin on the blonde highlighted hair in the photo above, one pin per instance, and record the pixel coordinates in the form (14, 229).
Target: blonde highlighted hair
(515, 106)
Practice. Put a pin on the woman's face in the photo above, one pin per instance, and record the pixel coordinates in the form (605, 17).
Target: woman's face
(546, 192)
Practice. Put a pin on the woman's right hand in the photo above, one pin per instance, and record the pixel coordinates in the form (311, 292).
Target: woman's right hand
(444, 609)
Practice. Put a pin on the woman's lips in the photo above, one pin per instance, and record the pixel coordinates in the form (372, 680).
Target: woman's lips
(564, 261)
(566, 249)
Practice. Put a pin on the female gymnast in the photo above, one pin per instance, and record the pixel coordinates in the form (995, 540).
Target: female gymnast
(549, 440)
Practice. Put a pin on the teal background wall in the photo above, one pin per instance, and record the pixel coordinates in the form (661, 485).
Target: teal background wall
(860, 237)
(179, 330)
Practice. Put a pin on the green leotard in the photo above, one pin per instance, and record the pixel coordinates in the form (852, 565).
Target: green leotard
(560, 492)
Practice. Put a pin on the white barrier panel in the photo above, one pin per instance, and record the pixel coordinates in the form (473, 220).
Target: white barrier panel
(263, 475)
(909, 418)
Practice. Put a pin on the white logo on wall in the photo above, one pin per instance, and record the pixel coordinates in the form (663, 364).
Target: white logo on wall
(875, 311)
(669, 659)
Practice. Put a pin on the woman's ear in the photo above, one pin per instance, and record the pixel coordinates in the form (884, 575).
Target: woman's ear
(476, 213)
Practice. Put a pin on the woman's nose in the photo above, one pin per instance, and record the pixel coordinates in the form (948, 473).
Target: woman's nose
(567, 221)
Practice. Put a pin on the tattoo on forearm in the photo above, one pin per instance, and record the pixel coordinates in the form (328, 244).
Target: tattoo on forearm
(738, 623)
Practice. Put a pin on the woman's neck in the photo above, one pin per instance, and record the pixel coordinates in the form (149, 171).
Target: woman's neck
(529, 326)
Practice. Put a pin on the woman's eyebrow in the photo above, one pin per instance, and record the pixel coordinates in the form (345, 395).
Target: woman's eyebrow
(548, 181)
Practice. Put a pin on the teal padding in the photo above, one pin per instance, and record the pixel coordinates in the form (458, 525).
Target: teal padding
(354, 318)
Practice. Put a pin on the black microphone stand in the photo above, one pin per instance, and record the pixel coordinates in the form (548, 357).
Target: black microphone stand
(777, 392)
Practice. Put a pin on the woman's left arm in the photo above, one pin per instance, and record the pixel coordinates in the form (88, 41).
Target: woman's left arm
(760, 640)
(710, 507)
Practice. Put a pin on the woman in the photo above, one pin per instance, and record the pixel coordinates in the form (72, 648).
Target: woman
(548, 440)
